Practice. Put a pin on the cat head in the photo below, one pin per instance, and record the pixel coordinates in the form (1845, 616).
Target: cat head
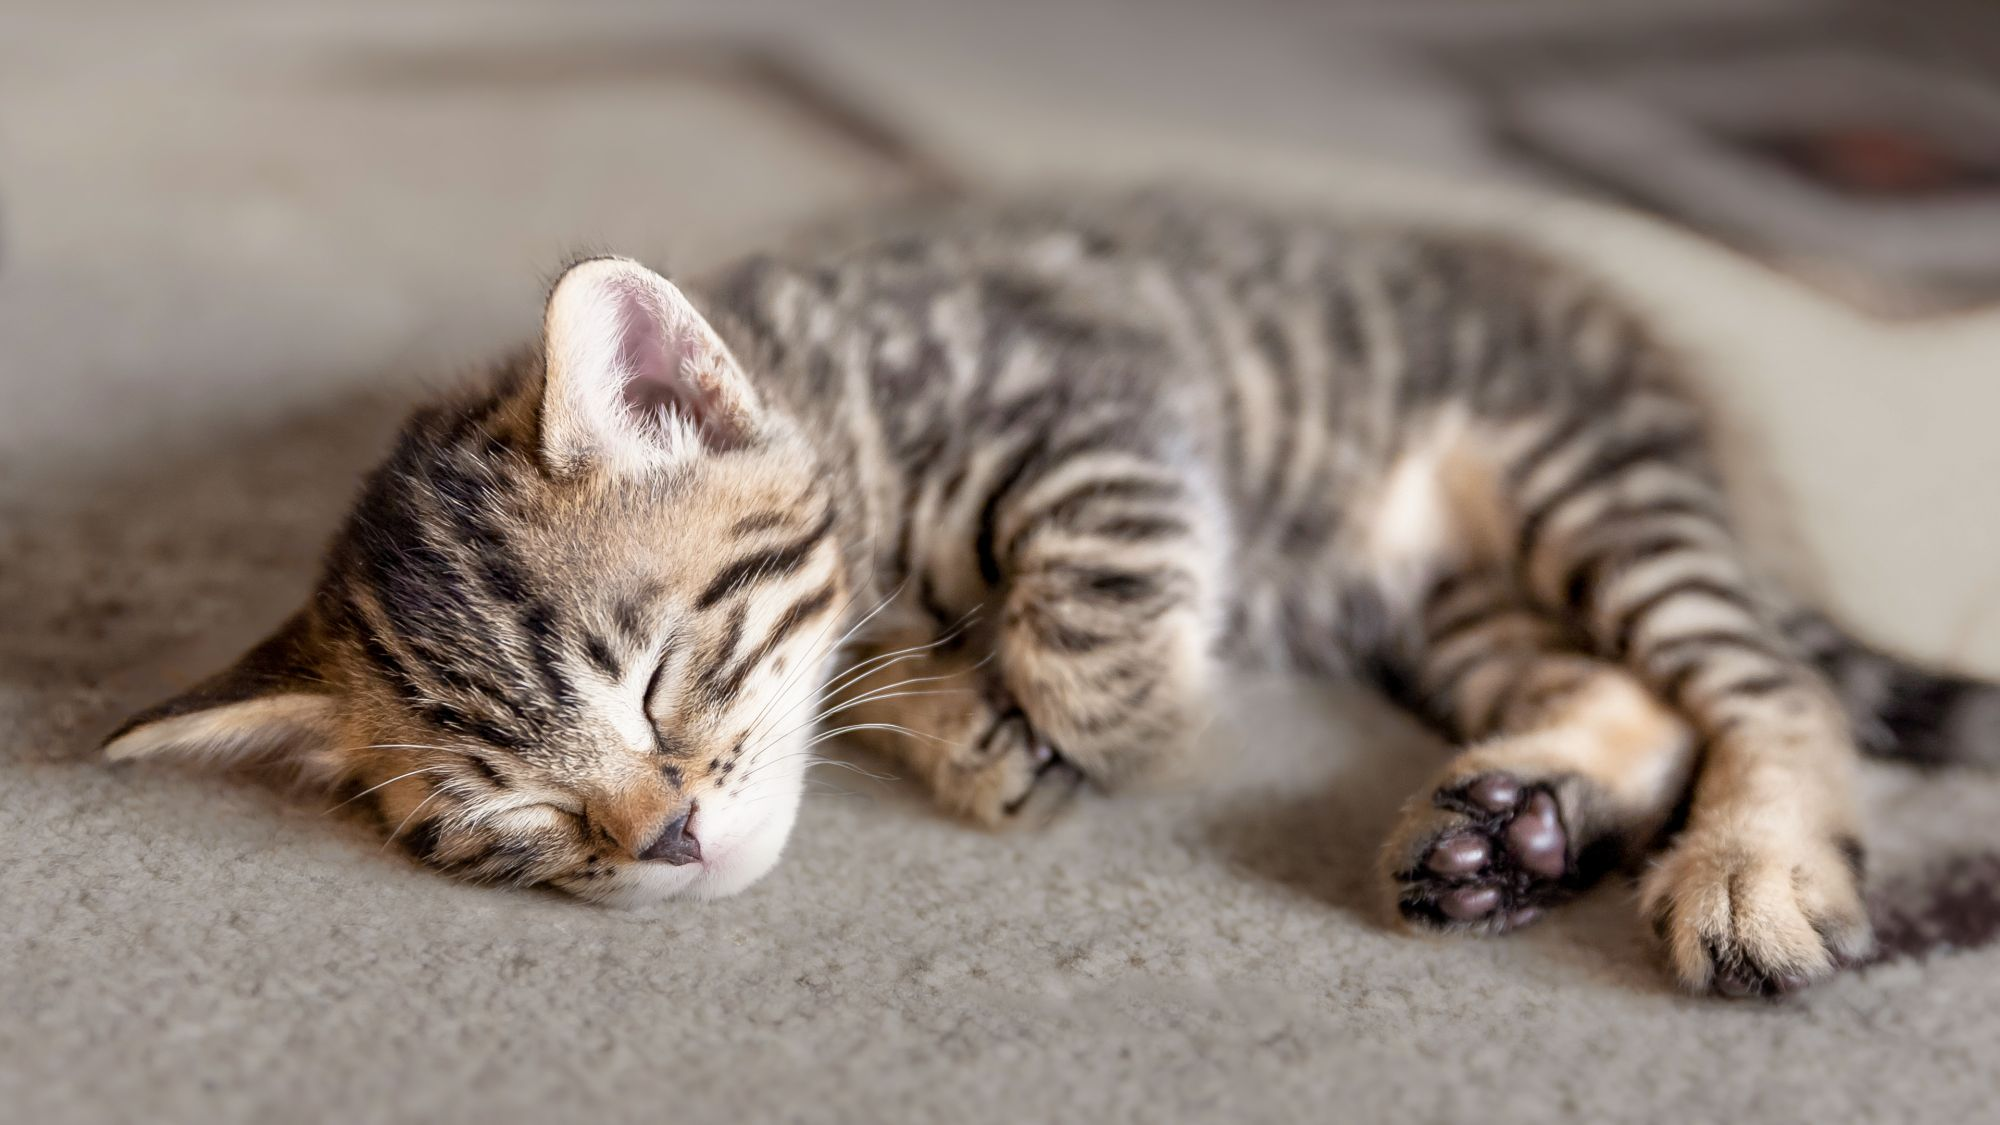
(575, 628)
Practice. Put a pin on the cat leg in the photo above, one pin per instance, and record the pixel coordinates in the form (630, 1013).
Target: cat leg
(1621, 530)
(1108, 627)
(931, 704)
(1571, 767)
(1093, 585)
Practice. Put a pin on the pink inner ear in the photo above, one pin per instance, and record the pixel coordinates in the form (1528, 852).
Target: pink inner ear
(652, 356)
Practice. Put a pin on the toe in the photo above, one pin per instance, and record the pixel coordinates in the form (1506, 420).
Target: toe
(1496, 792)
(1535, 838)
(1467, 904)
(1461, 853)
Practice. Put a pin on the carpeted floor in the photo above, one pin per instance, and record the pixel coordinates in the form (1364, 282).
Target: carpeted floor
(238, 243)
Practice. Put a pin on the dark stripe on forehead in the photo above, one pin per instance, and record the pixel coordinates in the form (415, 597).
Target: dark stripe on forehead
(629, 615)
(603, 655)
(423, 699)
(538, 622)
(378, 652)
(437, 598)
(774, 562)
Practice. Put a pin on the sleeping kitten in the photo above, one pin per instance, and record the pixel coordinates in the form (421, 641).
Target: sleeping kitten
(997, 484)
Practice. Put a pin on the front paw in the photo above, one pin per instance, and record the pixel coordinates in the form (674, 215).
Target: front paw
(1744, 914)
(1010, 776)
(962, 737)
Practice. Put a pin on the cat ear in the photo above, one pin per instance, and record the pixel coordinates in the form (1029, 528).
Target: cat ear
(636, 379)
(270, 705)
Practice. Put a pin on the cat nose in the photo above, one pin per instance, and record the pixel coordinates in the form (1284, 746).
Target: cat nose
(676, 843)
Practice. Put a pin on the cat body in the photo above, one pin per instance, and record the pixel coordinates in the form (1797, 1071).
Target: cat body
(997, 485)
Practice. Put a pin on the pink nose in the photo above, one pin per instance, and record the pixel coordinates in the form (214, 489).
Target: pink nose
(676, 843)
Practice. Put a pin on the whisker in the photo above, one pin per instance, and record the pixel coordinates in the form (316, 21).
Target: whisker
(863, 668)
(852, 768)
(850, 675)
(820, 760)
(827, 789)
(850, 728)
(821, 654)
(754, 730)
(373, 788)
(884, 692)
(413, 746)
(874, 562)
(910, 655)
(879, 696)
(843, 704)
(873, 692)
(435, 794)
(805, 751)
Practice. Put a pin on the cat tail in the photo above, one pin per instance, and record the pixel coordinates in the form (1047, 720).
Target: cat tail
(1902, 709)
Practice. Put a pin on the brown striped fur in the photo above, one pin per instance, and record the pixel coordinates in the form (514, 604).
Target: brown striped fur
(997, 484)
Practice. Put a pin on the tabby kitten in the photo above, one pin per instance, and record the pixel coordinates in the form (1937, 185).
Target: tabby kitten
(997, 484)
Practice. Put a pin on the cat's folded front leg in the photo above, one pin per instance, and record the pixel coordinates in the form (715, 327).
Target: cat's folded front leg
(1109, 616)
(934, 705)
(1091, 651)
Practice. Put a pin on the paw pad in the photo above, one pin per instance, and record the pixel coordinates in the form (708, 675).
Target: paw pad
(1497, 868)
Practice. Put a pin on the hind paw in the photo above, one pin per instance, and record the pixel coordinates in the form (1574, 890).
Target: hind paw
(1489, 854)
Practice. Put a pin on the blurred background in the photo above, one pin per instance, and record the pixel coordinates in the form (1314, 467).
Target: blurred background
(239, 239)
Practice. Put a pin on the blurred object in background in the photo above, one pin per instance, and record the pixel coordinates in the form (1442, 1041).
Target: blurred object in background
(1857, 146)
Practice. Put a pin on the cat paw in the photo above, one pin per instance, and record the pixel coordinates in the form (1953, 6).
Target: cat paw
(1487, 854)
(1011, 776)
(1742, 915)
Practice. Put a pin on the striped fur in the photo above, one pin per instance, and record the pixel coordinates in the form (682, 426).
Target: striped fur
(999, 483)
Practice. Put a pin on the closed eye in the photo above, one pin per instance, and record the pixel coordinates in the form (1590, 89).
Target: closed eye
(518, 796)
(540, 810)
(661, 743)
(650, 702)
(569, 813)
(653, 688)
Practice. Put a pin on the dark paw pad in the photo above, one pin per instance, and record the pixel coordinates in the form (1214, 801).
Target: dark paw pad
(1507, 858)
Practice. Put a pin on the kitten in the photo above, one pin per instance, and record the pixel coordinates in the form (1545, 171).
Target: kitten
(997, 485)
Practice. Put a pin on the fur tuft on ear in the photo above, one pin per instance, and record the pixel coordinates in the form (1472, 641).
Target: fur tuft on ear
(271, 705)
(636, 378)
